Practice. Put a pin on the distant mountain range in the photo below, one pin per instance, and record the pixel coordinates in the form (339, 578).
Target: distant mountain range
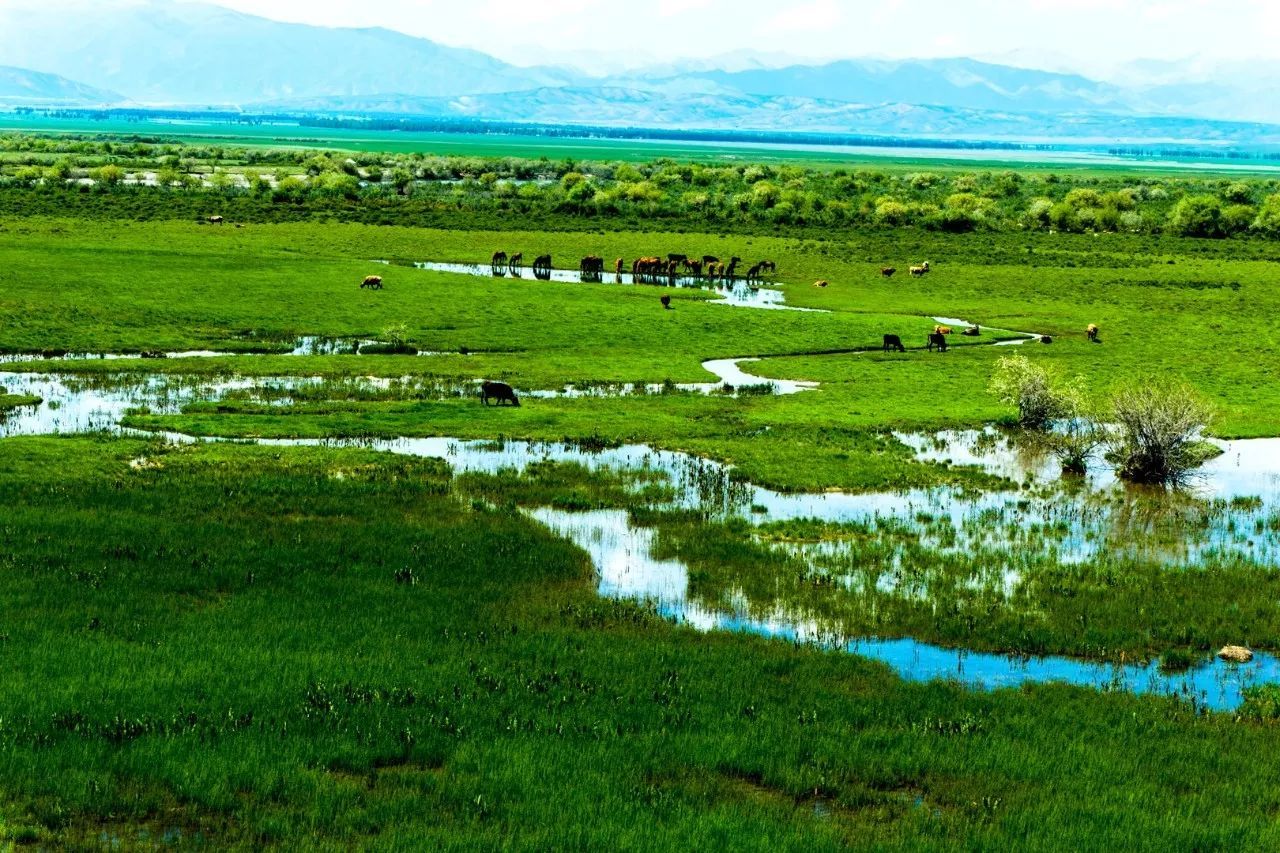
(153, 52)
(22, 86)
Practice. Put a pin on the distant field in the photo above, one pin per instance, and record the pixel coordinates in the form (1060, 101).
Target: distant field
(630, 150)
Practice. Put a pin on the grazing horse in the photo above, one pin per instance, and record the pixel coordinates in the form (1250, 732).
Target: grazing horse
(542, 267)
(666, 302)
(768, 266)
(675, 256)
(618, 266)
(939, 340)
(499, 259)
(693, 266)
(1092, 333)
(215, 220)
(888, 272)
(515, 262)
(500, 391)
(822, 282)
(753, 273)
(731, 271)
(893, 342)
(942, 330)
(647, 269)
(973, 331)
(373, 282)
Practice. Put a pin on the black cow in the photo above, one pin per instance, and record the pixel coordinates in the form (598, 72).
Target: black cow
(939, 340)
(666, 302)
(500, 391)
(893, 342)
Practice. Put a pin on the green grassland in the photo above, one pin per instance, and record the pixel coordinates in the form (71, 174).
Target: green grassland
(349, 653)
(232, 646)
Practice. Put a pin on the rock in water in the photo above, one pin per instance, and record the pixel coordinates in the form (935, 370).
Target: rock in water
(1235, 654)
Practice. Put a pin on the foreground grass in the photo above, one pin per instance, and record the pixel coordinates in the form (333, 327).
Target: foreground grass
(244, 647)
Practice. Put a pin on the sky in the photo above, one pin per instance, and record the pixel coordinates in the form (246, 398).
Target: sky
(605, 35)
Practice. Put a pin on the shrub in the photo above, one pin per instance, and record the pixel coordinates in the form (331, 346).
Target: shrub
(1160, 427)
(1040, 396)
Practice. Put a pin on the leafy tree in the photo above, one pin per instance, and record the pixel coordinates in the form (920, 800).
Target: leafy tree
(1197, 216)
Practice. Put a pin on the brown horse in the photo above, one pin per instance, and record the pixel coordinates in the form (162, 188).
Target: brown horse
(515, 262)
(499, 259)
(618, 266)
(939, 340)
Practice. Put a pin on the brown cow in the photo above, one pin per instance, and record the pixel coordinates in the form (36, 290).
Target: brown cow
(373, 282)
(942, 330)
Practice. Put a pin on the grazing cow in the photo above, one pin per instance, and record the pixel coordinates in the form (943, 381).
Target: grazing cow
(373, 282)
(888, 272)
(924, 265)
(710, 259)
(1092, 333)
(215, 220)
(1046, 339)
(942, 330)
(917, 272)
(938, 340)
(822, 282)
(500, 391)
(666, 302)
(973, 331)
(893, 342)
(678, 258)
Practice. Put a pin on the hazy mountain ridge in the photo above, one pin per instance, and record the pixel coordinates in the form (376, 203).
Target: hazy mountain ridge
(201, 54)
(620, 107)
(23, 86)
(160, 53)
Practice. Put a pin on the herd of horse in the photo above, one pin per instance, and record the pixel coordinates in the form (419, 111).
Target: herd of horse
(650, 269)
(937, 339)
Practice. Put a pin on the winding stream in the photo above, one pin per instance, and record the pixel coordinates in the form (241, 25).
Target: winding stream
(1235, 502)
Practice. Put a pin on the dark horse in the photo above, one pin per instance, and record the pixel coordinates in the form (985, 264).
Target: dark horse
(500, 391)
(542, 267)
(892, 342)
(939, 340)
